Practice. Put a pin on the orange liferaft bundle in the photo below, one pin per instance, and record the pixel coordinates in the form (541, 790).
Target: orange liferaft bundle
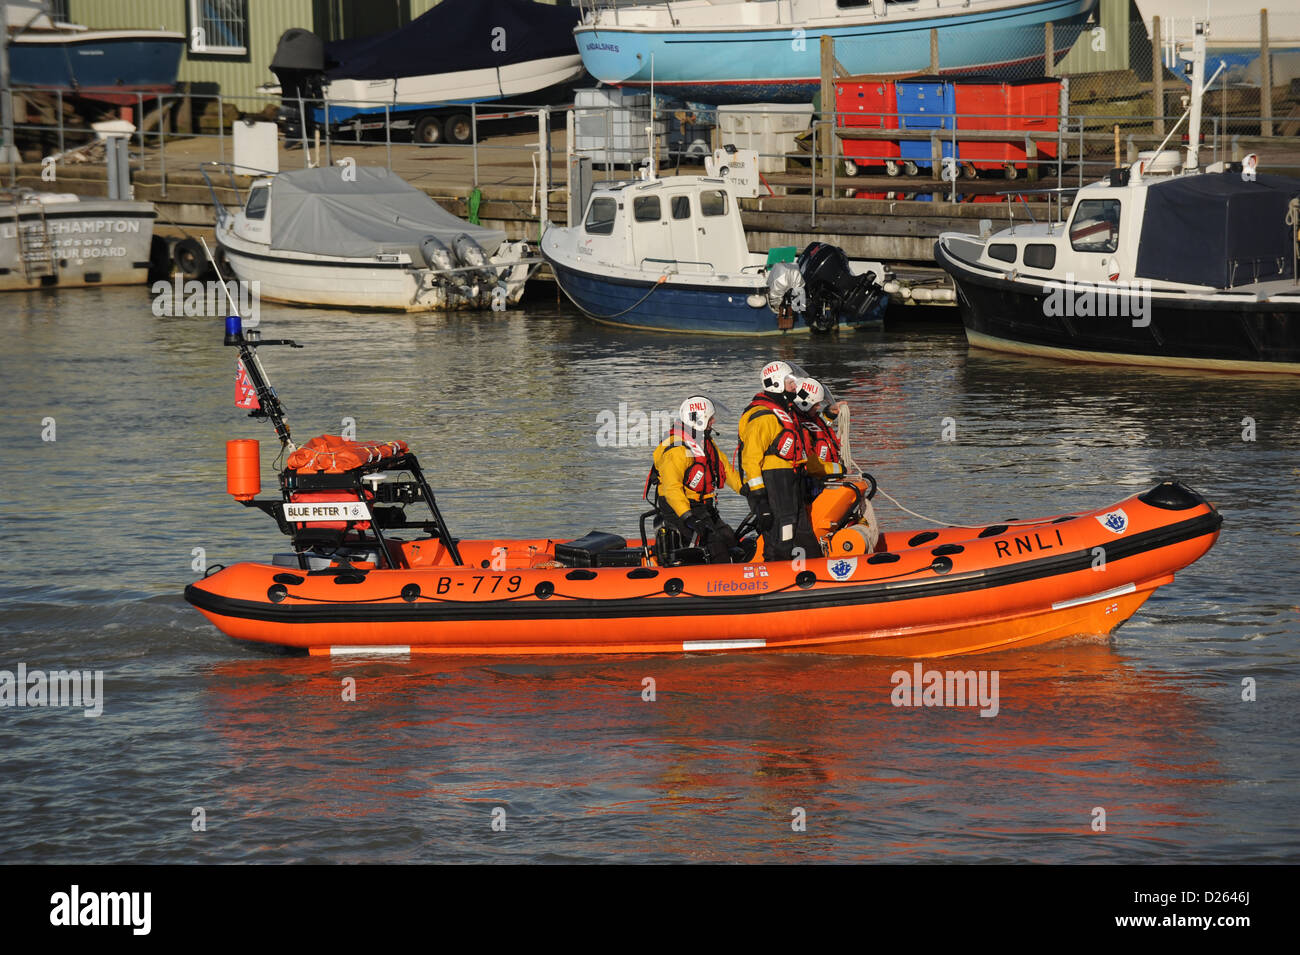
(333, 454)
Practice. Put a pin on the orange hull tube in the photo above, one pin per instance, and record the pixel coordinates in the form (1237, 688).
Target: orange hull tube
(1014, 586)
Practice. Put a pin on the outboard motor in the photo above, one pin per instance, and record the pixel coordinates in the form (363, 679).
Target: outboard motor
(472, 255)
(299, 65)
(834, 292)
(786, 294)
(439, 258)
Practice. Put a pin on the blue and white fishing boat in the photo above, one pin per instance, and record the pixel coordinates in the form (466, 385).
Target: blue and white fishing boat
(669, 254)
(740, 51)
(108, 65)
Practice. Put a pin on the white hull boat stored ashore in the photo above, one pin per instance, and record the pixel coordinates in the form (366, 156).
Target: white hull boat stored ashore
(362, 237)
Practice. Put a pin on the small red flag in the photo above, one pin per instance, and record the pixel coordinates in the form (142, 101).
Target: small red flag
(245, 393)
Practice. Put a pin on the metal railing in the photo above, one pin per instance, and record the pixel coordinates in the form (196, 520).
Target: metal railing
(1084, 143)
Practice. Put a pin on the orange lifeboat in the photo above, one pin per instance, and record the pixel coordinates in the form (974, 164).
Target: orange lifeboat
(919, 593)
(374, 569)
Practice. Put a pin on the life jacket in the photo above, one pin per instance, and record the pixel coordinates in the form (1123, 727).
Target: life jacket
(822, 441)
(705, 476)
(789, 443)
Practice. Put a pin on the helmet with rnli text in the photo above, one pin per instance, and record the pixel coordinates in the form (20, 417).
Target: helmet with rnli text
(808, 394)
(776, 375)
(697, 413)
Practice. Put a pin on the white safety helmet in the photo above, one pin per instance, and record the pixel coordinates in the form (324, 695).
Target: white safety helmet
(697, 413)
(775, 375)
(808, 394)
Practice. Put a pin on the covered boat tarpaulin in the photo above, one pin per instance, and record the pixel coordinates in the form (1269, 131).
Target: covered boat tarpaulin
(321, 212)
(458, 35)
(1217, 230)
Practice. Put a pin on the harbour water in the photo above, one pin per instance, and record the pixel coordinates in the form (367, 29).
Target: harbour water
(738, 757)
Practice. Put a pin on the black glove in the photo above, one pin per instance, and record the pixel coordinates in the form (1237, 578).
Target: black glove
(759, 503)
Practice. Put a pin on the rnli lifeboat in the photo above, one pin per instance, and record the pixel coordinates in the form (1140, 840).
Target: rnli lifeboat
(375, 570)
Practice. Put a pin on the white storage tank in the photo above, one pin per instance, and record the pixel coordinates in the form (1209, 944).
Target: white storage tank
(769, 128)
(610, 126)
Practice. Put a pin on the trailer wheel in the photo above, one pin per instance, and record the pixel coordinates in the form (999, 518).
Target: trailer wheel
(428, 130)
(850, 168)
(969, 171)
(459, 128)
(892, 168)
(189, 258)
(911, 168)
(1011, 171)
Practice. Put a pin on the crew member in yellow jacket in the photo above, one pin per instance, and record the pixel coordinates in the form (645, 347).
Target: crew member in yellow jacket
(773, 460)
(689, 471)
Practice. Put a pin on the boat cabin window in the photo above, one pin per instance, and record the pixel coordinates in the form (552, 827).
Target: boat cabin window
(1040, 255)
(713, 202)
(681, 207)
(257, 199)
(600, 216)
(1003, 251)
(646, 209)
(1095, 226)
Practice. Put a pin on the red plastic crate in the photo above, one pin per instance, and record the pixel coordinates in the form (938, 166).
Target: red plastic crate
(1026, 105)
(867, 104)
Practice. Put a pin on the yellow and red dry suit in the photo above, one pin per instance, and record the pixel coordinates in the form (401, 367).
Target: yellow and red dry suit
(773, 457)
(689, 470)
(771, 439)
(825, 459)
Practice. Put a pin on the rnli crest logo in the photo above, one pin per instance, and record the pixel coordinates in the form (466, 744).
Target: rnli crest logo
(843, 568)
(1115, 521)
(750, 569)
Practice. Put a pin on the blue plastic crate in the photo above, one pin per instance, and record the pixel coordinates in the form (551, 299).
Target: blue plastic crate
(926, 104)
(918, 151)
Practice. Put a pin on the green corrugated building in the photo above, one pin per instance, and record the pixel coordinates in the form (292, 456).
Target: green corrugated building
(231, 42)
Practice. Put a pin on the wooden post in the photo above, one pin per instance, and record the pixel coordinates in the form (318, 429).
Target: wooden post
(934, 51)
(1157, 79)
(824, 131)
(1265, 78)
(936, 156)
(1031, 154)
(1117, 145)
(1049, 50)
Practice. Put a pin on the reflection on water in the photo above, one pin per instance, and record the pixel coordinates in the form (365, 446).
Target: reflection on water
(101, 527)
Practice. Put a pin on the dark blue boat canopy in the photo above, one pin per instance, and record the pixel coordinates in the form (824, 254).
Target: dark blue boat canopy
(1217, 230)
(458, 35)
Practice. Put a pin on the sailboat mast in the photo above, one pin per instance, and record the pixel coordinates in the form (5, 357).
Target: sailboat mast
(1198, 92)
(6, 101)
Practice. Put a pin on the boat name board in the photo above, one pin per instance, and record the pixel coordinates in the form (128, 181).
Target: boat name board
(76, 226)
(327, 511)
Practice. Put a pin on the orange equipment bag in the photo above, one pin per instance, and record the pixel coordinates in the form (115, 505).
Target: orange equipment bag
(332, 454)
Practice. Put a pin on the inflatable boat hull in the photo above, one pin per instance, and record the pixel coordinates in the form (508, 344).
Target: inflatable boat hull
(921, 594)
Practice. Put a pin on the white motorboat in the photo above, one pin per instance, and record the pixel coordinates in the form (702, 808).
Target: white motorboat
(362, 237)
(670, 254)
